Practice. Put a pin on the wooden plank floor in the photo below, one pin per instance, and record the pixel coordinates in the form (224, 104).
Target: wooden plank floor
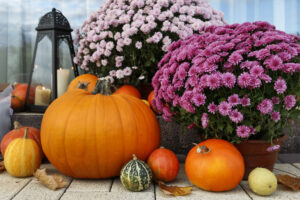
(31, 189)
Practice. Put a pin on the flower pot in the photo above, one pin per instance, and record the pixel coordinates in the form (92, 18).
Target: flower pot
(256, 155)
(145, 89)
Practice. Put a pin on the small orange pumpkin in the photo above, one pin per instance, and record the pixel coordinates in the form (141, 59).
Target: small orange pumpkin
(130, 90)
(215, 165)
(151, 97)
(87, 80)
(18, 96)
(18, 132)
(164, 164)
(22, 156)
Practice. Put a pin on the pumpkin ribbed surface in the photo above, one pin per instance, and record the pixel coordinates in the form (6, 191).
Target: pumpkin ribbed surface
(22, 157)
(93, 136)
(136, 175)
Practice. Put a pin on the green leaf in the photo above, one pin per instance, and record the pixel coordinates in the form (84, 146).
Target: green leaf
(257, 128)
(229, 129)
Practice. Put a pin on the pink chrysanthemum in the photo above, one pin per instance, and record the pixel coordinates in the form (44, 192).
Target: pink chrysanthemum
(275, 100)
(244, 80)
(280, 86)
(212, 108)
(275, 116)
(273, 148)
(235, 58)
(224, 108)
(274, 63)
(245, 101)
(192, 125)
(265, 106)
(213, 81)
(204, 120)
(234, 100)
(199, 99)
(228, 79)
(257, 70)
(236, 116)
(289, 101)
(243, 131)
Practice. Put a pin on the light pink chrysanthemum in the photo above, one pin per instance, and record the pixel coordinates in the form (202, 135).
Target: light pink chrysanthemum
(236, 116)
(243, 131)
(289, 101)
(204, 120)
(234, 100)
(224, 108)
(275, 116)
(280, 86)
(265, 106)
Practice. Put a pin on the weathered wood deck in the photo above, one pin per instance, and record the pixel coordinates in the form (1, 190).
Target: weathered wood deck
(111, 189)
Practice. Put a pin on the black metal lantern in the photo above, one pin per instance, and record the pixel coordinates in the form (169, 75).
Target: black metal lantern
(52, 66)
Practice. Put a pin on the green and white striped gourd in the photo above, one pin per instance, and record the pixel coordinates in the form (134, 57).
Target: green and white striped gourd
(136, 175)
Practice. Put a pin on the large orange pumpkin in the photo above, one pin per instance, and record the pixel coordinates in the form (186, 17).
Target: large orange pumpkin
(18, 96)
(87, 135)
(215, 165)
(89, 80)
(22, 156)
(18, 132)
(130, 90)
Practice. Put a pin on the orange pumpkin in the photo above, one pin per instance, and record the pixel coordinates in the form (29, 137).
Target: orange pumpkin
(22, 156)
(89, 80)
(18, 132)
(215, 165)
(164, 164)
(130, 90)
(18, 96)
(96, 134)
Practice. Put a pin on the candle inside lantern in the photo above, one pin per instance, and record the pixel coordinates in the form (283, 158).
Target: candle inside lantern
(42, 96)
(63, 76)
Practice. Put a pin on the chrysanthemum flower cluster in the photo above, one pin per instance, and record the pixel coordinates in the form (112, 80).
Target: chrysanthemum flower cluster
(234, 82)
(125, 39)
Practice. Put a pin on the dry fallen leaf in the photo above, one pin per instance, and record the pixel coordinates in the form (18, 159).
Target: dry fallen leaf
(53, 182)
(2, 167)
(174, 190)
(289, 181)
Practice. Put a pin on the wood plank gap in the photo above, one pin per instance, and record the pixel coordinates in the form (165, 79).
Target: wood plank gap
(154, 185)
(66, 189)
(20, 190)
(294, 165)
(111, 185)
(286, 171)
(246, 191)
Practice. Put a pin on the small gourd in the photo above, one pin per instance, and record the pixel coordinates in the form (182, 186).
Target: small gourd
(22, 156)
(136, 175)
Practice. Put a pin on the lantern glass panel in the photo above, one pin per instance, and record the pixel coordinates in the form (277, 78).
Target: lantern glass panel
(42, 73)
(65, 72)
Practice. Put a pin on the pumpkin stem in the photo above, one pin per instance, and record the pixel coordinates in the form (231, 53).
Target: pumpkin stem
(26, 133)
(103, 86)
(83, 85)
(17, 125)
(134, 157)
(202, 149)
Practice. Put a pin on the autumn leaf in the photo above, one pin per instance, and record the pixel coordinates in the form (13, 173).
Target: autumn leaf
(174, 190)
(53, 182)
(2, 167)
(289, 181)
